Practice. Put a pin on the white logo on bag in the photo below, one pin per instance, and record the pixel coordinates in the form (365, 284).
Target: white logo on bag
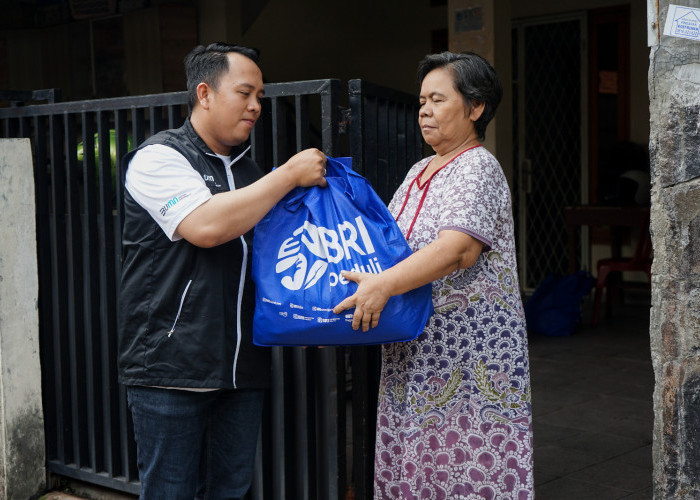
(329, 245)
(327, 320)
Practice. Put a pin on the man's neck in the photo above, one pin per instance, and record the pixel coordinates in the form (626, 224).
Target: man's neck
(198, 124)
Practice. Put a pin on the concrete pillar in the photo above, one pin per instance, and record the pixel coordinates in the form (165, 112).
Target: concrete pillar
(484, 27)
(674, 93)
(22, 453)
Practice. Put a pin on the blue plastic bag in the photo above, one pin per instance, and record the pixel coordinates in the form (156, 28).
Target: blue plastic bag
(554, 309)
(301, 246)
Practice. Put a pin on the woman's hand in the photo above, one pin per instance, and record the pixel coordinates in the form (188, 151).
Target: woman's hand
(369, 300)
(450, 251)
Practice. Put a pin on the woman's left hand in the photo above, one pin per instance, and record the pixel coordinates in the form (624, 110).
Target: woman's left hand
(369, 300)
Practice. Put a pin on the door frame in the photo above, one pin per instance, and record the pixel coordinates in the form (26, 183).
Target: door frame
(524, 166)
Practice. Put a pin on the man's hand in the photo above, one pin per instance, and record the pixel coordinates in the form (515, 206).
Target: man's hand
(307, 168)
(369, 300)
(228, 215)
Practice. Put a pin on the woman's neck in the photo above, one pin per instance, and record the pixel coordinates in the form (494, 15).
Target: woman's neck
(445, 155)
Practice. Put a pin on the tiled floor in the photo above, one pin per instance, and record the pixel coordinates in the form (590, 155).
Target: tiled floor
(592, 404)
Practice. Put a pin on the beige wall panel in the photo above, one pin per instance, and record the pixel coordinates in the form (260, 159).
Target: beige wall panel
(481, 41)
(503, 123)
(4, 69)
(378, 41)
(55, 60)
(79, 57)
(548, 7)
(178, 27)
(142, 52)
(493, 42)
(23, 47)
(212, 19)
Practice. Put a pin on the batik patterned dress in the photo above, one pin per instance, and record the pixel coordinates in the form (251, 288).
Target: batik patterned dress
(454, 417)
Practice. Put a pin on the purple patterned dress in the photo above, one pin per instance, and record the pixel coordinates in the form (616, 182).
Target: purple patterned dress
(454, 417)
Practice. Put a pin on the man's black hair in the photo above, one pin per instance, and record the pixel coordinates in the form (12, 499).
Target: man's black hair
(207, 64)
(474, 78)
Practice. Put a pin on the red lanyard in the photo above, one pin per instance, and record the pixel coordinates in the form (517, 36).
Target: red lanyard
(425, 186)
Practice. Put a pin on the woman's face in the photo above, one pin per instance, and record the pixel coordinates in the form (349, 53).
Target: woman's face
(443, 117)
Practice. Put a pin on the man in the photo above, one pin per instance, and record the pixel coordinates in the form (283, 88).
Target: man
(194, 379)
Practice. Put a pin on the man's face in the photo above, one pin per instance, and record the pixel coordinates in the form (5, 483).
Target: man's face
(235, 104)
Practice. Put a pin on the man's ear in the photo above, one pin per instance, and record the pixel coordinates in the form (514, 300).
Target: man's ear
(476, 111)
(203, 92)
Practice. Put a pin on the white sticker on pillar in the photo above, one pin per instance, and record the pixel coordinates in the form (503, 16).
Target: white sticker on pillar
(683, 22)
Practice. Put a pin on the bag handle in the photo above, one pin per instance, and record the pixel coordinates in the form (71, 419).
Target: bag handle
(338, 170)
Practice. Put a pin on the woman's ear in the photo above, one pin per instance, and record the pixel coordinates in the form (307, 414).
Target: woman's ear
(477, 108)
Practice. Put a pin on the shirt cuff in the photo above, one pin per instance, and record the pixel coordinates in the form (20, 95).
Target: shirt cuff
(486, 241)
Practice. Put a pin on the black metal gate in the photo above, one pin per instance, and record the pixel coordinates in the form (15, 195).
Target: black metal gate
(306, 437)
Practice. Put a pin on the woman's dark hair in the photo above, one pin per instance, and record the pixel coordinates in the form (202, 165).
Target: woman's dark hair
(207, 64)
(474, 78)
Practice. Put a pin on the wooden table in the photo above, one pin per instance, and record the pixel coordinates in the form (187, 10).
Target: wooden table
(596, 215)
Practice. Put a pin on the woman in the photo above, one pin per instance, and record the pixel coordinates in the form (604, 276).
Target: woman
(454, 417)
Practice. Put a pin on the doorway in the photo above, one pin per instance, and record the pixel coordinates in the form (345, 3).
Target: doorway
(550, 140)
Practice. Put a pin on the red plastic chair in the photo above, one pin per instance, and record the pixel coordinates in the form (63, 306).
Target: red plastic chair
(640, 261)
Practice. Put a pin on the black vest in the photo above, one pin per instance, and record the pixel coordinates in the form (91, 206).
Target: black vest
(186, 313)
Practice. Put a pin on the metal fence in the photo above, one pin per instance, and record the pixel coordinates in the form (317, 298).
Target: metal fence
(384, 134)
(308, 447)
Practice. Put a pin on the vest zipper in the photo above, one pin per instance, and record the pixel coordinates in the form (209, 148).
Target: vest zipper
(241, 283)
(241, 287)
(179, 310)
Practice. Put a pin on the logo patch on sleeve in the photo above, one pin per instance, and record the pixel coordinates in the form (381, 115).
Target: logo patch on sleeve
(172, 202)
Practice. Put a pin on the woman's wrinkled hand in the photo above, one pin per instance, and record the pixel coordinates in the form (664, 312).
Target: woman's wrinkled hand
(369, 300)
